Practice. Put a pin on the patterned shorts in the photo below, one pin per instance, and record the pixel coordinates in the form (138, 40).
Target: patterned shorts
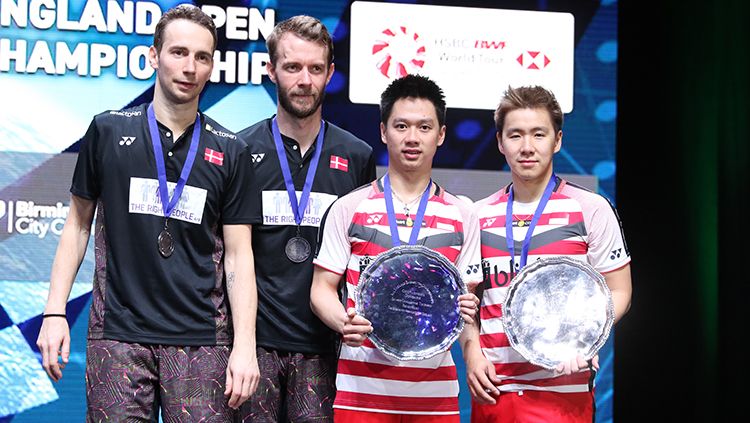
(293, 387)
(131, 382)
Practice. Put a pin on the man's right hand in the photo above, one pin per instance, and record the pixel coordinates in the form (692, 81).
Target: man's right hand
(356, 328)
(481, 377)
(54, 344)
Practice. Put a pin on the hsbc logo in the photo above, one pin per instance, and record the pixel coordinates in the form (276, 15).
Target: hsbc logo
(256, 158)
(533, 60)
(399, 52)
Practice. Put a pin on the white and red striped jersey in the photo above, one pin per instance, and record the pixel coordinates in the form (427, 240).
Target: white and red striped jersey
(576, 223)
(355, 230)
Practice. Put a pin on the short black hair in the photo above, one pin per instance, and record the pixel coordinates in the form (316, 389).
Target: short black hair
(412, 86)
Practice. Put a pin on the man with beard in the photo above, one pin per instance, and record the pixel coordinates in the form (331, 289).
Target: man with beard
(306, 163)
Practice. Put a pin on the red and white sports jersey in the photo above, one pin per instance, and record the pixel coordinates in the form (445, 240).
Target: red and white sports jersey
(575, 223)
(356, 230)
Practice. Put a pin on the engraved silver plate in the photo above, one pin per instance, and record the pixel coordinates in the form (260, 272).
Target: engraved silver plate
(557, 308)
(410, 295)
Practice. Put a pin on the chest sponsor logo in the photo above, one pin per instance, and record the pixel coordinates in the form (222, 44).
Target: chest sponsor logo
(219, 133)
(278, 211)
(257, 157)
(488, 222)
(144, 199)
(559, 221)
(126, 140)
(364, 261)
(374, 219)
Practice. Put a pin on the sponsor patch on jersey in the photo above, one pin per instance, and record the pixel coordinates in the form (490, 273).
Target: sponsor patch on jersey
(562, 221)
(218, 133)
(125, 113)
(277, 210)
(144, 199)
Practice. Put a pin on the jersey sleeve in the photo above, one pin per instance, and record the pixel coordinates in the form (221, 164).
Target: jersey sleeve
(242, 197)
(607, 248)
(334, 246)
(86, 182)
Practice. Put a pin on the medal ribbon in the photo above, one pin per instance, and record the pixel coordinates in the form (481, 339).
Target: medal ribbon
(395, 239)
(168, 204)
(530, 231)
(298, 208)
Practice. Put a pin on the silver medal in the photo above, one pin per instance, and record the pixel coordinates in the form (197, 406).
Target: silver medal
(165, 243)
(297, 249)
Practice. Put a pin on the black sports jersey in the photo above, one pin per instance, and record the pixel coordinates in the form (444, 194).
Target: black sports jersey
(285, 320)
(138, 295)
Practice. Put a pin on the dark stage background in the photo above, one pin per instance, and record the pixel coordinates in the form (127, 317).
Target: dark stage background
(682, 173)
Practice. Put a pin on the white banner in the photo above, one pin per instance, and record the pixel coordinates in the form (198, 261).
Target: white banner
(474, 54)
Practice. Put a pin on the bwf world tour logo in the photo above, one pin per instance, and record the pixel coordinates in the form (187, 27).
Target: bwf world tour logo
(401, 52)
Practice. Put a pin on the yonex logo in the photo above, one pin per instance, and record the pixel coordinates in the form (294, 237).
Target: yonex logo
(399, 53)
(127, 140)
(488, 222)
(256, 158)
(615, 254)
(473, 268)
(374, 218)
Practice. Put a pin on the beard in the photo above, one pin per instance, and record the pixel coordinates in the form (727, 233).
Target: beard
(296, 111)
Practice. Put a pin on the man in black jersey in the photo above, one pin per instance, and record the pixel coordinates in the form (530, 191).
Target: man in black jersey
(171, 325)
(302, 164)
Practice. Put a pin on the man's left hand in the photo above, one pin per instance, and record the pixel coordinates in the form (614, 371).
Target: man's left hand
(243, 376)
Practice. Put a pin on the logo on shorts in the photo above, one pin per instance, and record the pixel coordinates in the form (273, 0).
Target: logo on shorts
(127, 140)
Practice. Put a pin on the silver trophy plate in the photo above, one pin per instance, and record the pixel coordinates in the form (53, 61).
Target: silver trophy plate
(410, 295)
(557, 308)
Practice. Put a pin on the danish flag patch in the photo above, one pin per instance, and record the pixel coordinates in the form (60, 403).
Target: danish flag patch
(339, 163)
(214, 157)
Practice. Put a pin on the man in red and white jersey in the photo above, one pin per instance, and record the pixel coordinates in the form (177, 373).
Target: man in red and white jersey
(538, 215)
(403, 205)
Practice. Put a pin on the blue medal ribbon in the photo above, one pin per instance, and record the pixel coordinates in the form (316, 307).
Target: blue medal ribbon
(168, 204)
(395, 239)
(298, 208)
(537, 214)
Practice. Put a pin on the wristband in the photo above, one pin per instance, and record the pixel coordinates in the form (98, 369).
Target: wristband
(44, 316)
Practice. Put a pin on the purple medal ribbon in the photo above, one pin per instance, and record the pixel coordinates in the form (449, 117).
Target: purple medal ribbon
(298, 208)
(537, 214)
(168, 204)
(395, 239)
